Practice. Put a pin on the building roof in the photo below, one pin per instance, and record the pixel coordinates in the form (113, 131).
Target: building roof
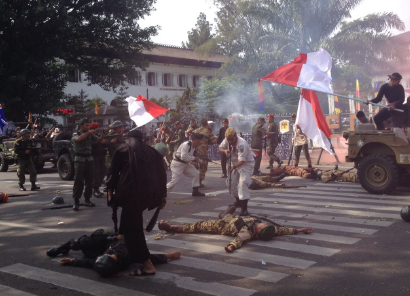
(105, 110)
(403, 36)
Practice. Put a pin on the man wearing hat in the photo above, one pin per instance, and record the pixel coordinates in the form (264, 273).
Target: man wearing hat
(181, 164)
(258, 134)
(83, 162)
(241, 156)
(25, 161)
(394, 93)
(273, 137)
(243, 229)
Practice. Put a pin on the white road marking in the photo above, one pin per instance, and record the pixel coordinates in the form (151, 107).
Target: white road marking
(241, 253)
(4, 290)
(68, 281)
(30, 227)
(343, 192)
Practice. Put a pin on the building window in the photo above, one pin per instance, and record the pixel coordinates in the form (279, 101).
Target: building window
(74, 75)
(152, 78)
(167, 79)
(195, 81)
(136, 80)
(182, 80)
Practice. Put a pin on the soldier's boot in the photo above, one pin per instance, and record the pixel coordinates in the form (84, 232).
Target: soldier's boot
(230, 210)
(88, 203)
(34, 186)
(170, 228)
(196, 192)
(97, 193)
(63, 249)
(76, 205)
(21, 188)
(244, 208)
(237, 203)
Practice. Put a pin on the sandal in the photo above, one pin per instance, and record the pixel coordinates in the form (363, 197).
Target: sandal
(224, 176)
(142, 271)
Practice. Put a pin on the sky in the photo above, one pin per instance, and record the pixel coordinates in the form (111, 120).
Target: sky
(177, 17)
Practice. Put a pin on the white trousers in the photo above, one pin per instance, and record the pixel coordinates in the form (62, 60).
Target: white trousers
(240, 181)
(178, 169)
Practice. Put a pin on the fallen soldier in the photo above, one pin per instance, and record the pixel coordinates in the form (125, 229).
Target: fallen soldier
(260, 182)
(243, 229)
(106, 254)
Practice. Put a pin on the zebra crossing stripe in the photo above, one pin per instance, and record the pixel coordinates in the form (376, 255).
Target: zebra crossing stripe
(327, 197)
(4, 290)
(311, 217)
(30, 227)
(68, 281)
(326, 210)
(333, 204)
(243, 254)
(334, 191)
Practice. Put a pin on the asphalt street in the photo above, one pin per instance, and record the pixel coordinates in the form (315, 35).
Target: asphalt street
(359, 245)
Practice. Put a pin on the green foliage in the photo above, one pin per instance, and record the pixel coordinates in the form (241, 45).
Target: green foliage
(79, 102)
(200, 34)
(185, 105)
(42, 40)
(90, 104)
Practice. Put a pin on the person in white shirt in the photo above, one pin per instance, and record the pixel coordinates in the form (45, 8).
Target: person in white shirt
(181, 164)
(242, 165)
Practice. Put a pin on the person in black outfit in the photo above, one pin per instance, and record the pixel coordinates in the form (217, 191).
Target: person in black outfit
(138, 179)
(221, 137)
(394, 93)
(98, 153)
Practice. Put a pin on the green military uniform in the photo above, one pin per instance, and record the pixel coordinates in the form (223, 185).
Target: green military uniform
(25, 161)
(273, 141)
(111, 147)
(229, 226)
(266, 182)
(202, 150)
(258, 132)
(346, 177)
(83, 165)
(173, 146)
(190, 130)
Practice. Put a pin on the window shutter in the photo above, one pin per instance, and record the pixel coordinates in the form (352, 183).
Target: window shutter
(146, 78)
(156, 79)
(179, 84)
(172, 79)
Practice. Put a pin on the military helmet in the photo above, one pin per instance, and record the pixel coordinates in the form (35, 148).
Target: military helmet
(82, 121)
(405, 215)
(24, 131)
(116, 124)
(254, 185)
(105, 265)
(58, 200)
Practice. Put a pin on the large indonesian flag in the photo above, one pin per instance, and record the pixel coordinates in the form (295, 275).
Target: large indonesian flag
(142, 110)
(311, 120)
(308, 70)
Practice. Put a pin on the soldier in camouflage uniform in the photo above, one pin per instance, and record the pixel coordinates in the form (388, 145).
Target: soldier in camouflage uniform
(338, 175)
(260, 182)
(192, 126)
(178, 138)
(243, 229)
(202, 150)
(273, 141)
(23, 148)
(258, 134)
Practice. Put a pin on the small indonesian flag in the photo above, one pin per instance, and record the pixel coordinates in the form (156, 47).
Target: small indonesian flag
(311, 120)
(309, 71)
(96, 108)
(142, 110)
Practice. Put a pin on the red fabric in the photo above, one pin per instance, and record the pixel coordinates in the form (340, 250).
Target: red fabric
(289, 73)
(152, 108)
(321, 123)
(270, 115)
(94, 125)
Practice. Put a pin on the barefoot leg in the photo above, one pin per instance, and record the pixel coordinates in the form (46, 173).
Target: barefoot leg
(305, 230)
(173, 256)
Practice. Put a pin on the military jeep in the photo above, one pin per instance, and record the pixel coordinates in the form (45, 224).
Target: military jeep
(64, 153)
(381, 157)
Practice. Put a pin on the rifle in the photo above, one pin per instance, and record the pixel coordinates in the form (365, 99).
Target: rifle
(49, 132)
(32, 127)
(207, 160)
(60, 207)
(266, 219)
(334, 176)
(153, 221)
(110, 137)
(111, 203)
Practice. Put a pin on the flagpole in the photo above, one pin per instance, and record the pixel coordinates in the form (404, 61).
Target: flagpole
(342, 96)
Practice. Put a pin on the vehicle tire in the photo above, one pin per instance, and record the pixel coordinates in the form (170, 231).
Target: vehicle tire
(4, 166)
(65, 167)
(378, 174)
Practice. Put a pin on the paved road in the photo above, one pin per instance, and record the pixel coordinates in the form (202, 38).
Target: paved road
(359, 245)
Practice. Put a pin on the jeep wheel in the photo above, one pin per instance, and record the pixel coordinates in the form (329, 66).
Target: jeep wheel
(4, 166)
(378, 174)
(65, 167)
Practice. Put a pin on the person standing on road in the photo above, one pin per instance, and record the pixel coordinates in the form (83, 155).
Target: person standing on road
(300, 141)
(243, 162)
(83, 162)
(258, 133)
(180, 137)
(22, 147)
(273, 137)
(99, 169)
(221, 137)
(192, 126)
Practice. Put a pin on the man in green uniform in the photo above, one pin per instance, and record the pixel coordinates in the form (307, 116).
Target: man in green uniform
(243, 229)
(258, 133)
(273, 137)
(202, 150)
(180, 138)
(192, 126)
(23, 147)
(83, 162)
(267, 181)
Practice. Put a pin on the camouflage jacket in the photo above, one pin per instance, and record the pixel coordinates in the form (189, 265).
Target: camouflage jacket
(208, 139)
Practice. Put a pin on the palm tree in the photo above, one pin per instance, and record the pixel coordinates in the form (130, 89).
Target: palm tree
(90, 104)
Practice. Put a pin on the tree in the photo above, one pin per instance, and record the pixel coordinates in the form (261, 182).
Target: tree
(185, 106)
(78, 101)
(120, 103)
(42, 40)
(200, 34)
(90, 104)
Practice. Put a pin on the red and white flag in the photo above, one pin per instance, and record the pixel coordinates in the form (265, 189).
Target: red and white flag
(142, 110)
(311, 120)
(308, 70)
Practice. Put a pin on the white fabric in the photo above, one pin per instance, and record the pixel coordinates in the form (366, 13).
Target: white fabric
(306, 121)
(316, 73)
(299, 138)
(183, 152)
(242, 151)
(137, 112)
(178, 169)
(240, 181)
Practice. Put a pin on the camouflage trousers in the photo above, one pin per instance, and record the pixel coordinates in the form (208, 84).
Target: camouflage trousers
(271, 152)
(22, 166)
(267, 181)
(291, 170)
(209, 226)
(346, 177)
(203, 167)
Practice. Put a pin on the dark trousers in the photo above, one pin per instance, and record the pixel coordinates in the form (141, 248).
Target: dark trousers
(83, 176)
(224, 161)
(298, 150)
(99, 171)
(384, 114)
(132, 227)
(258, 160)
(22, 166)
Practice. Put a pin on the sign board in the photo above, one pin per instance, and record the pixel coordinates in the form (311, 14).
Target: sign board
(284, 126)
